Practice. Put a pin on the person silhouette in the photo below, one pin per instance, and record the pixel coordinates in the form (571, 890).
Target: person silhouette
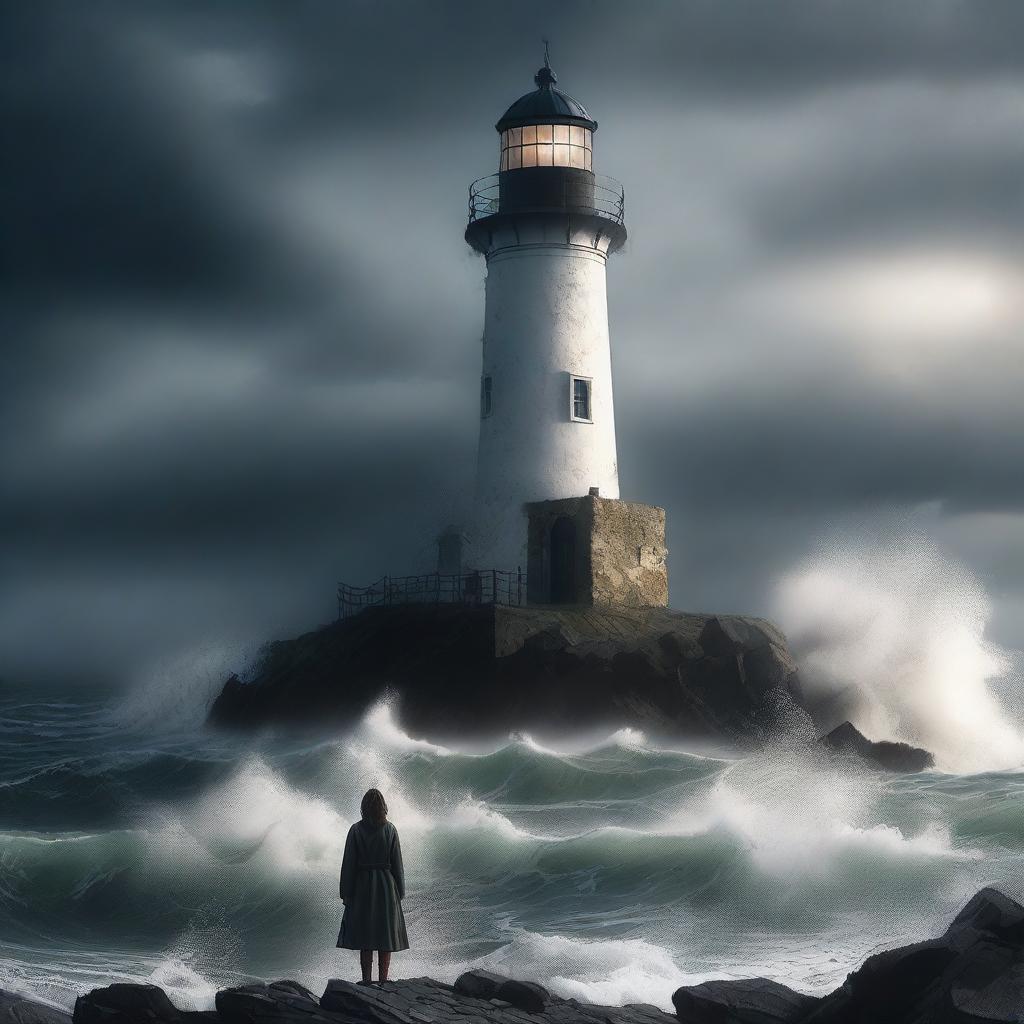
(372, 888)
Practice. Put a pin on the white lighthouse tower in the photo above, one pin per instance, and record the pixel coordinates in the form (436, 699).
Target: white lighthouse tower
(546, 224)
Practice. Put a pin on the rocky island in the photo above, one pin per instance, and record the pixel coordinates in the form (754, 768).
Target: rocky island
(494, 668)
(972, 974)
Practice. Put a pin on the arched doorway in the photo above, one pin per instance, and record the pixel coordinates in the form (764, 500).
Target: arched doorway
(563, 561)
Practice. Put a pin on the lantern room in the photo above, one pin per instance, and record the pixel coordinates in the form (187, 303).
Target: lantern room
(546, 128)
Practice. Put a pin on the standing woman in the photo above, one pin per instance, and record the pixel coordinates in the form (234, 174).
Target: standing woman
(372, 888)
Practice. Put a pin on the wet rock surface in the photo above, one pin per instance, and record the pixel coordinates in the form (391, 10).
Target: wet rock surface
(890, 757)
(972, 974)
(745, 1001)
(464, 669)
(16, 1009)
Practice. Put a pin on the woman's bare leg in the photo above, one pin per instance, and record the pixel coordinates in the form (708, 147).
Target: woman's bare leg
(383, 963)
(366, 963)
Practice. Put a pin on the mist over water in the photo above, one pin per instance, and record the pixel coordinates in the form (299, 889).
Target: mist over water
(894, 633)
(613, 872)
(137, 846)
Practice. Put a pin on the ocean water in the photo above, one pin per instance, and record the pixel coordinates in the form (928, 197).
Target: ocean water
(610, 868)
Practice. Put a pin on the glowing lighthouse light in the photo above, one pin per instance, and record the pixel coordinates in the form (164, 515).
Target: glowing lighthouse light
(546, 225)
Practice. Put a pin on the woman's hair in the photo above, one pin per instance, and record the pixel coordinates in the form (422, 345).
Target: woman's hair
(373, 808)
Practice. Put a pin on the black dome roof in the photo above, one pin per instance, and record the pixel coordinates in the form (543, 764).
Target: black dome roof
(545, 105)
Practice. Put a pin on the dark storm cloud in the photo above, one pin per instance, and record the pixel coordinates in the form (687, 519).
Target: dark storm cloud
(242, 330)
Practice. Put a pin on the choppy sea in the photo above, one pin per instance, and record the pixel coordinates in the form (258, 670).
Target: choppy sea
(610, 868)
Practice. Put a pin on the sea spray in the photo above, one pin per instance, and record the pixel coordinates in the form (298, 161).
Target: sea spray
(609, 869)
(897, 631)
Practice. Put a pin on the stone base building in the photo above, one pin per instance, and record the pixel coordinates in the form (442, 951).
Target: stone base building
(596, 551)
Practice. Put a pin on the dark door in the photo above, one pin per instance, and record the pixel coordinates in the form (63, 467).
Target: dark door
(563, 561)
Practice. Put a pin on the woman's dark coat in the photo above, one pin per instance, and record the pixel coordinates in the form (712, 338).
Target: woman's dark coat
(373, 886)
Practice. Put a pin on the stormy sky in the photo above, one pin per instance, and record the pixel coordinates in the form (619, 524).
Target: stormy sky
(241, 328)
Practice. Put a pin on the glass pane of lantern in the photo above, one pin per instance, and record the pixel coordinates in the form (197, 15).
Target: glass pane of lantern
(576, 156)
(561, 133)
(588, 162)
(515, 136)
(544, 156)
(529, 134)
(543, 133)
(529, 156)
(588, 138)
(561, 156)
(515, 157)
(504, 159)
(576, 135)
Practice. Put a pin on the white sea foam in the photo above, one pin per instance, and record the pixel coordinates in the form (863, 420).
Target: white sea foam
(253, 816)
(380, 728)
(612, 972)
(901, 628)
(630, 739)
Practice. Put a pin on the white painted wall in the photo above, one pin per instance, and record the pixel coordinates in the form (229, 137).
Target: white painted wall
(546, 318)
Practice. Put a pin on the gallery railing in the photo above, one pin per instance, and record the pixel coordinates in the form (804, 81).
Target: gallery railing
(597, 195)
(485, 586)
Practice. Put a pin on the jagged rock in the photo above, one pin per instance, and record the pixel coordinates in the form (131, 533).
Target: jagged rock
(990, 911)
(286, 1002)
(15, 1009)
(524, 995)
(745, 1001)
(892, 757)
(126, 1004)
(493, 669)
(973, 974)
(409, 1001)
(479, 984)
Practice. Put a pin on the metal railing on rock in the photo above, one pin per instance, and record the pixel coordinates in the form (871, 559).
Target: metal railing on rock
(484, 586)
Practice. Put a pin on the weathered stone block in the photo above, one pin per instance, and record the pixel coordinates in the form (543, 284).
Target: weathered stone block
(596, 551)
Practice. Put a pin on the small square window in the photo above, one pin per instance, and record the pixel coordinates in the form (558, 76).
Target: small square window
(561, 133)
(543, 133)
(529, 134)
(576, 135)
(580, 405)
(486, 389)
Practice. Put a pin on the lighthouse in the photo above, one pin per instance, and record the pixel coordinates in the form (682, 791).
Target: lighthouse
(547, 482)
(546, 224)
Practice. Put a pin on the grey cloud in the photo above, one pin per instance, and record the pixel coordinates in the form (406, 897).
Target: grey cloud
(241, 328)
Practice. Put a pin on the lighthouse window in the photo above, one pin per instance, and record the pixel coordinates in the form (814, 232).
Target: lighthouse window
(547, 145)
(580, 407)
(485, 397)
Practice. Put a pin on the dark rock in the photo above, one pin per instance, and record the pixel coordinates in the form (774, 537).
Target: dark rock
(892, 757)
(974, 973)
(15, 1009)
(286, 1002)
(495, 669)
(126, 1004)
(524, 995)
(990, 911)
(745, 1001)
(479, 984)
(367, 1004)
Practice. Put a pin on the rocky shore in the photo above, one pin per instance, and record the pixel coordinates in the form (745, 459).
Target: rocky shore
(457, 669)
(972, 974)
